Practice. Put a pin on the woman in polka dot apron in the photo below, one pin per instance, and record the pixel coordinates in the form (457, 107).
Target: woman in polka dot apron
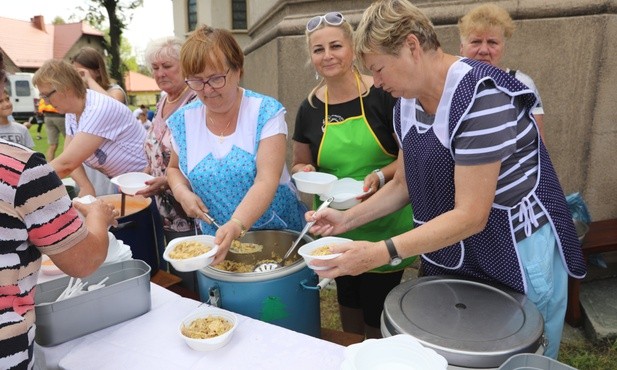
(228, 147)
(487, 202)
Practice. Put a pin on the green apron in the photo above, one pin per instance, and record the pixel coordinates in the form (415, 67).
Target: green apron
(351, 149)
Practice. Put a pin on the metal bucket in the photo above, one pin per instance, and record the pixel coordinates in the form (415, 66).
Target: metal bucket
(138, 228)
(287, 296)
(472, 324)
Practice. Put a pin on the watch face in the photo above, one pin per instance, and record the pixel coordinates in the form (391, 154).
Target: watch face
(395, 261)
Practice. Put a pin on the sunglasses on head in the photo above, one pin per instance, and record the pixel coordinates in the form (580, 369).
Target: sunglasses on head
(332, 18)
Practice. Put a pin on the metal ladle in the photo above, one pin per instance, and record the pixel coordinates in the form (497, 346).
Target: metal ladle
(211, 219)
(269, 266)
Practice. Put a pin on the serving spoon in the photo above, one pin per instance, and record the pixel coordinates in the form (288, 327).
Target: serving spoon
(270, 265)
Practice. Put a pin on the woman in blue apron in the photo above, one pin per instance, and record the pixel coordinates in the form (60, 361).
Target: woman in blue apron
(345, 128)
(487, 202)
(228, 147)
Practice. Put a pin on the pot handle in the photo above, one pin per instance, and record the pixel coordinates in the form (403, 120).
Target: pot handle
(322, 284)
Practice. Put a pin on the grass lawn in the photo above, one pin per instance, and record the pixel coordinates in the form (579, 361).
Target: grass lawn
(40, 145)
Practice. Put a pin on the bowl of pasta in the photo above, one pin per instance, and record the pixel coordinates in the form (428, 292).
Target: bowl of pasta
(208, 328)
(190, 253)
(320, 250)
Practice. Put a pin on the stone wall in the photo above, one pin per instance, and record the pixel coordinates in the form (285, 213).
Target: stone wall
(568, 47)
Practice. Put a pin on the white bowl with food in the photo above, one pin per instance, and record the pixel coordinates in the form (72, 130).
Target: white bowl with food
(132, 182)
(314, 182)
(345, 192)
(208, 328)
(319, 249)
(190, 253)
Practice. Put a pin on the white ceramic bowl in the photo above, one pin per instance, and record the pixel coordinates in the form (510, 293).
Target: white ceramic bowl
(193, 263)
(401, 351)
(345, 192)
(314, 182)
(132, 182)
(209, 344)
(306, 250)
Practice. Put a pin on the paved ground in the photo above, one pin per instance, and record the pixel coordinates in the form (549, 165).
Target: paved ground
(599, 299)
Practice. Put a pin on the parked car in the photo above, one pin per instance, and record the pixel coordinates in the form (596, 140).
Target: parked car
(24, 95)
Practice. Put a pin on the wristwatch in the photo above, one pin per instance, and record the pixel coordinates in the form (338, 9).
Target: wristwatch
(382, 178)
(395, 259)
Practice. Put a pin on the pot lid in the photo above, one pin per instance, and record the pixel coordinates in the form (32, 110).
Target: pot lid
(471, 324)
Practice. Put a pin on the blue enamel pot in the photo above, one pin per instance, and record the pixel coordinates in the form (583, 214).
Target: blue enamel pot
(287, 296)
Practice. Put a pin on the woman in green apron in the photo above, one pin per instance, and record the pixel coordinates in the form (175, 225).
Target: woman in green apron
(344, 127)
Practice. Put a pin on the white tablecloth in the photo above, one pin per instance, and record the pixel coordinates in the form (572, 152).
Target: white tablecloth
(152, 341)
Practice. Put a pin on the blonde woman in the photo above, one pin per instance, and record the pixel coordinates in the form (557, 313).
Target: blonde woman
(346, 113)
(484, 31)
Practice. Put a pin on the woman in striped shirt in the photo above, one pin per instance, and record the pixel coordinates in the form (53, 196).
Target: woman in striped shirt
(487, 202)
(37, 216)
(101, 132)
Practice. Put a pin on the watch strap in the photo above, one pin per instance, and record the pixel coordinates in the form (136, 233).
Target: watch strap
(382, 177)
(391, 249)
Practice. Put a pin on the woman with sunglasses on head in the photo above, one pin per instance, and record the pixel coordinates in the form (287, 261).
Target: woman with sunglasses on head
(487, 201)
(346, 113)
(228, 146)
(101, 132)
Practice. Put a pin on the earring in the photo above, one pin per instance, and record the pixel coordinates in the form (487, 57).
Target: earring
(316, 75)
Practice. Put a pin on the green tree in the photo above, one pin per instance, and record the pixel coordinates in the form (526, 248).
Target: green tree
(119, 14)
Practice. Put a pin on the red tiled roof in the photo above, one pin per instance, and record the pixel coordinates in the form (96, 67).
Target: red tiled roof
(66, 35)
(26, 45)
(29, 46)
(136, 82)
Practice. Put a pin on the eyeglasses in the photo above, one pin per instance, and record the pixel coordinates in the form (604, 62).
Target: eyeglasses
(47, 96)
(215, 82)
(332, 18)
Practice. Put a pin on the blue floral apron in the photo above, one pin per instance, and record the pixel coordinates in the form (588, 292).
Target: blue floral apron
(223, 183)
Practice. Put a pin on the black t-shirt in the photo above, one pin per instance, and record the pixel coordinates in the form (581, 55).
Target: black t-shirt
(378, 106)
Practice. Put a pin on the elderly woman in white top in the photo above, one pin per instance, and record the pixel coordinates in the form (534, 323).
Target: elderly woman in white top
(484, 31)
(101, 132)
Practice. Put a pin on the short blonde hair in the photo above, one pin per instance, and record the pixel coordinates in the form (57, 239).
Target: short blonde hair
(483, 17)
(62, 76)
(386, 24)
(210, 47)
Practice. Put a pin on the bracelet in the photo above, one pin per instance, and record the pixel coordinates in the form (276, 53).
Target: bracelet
(382, 178)
(242, 228)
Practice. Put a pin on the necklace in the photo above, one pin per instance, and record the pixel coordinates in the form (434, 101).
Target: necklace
(221, 137)
(170, 101)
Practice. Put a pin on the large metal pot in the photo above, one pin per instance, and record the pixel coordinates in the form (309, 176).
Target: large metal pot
(472, 324)
(286, 296)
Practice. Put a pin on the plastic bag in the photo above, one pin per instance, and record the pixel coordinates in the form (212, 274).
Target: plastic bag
(579, 211)
(578, 208)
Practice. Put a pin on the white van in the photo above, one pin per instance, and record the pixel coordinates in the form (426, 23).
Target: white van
(24, 95)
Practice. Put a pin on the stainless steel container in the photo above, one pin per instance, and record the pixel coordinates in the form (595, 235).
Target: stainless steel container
(472, 324)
